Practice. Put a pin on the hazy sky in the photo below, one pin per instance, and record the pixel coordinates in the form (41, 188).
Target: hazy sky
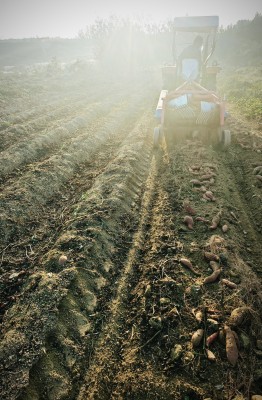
(65, 18)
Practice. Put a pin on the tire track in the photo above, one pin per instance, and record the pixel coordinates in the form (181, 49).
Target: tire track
(133, 358)
(111, 374)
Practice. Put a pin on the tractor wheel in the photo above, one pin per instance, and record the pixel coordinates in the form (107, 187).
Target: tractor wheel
(156, 137)
(224, 138)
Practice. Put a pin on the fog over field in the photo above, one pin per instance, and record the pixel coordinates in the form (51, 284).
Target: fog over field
(130, 200)
(59, 18)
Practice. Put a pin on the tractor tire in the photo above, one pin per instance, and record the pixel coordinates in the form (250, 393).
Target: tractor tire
(156, 137)
(224, 138)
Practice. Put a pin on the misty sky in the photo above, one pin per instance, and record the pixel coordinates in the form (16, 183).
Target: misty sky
(65, 18)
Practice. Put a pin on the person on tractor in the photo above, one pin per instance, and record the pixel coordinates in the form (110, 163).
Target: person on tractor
(190, 60)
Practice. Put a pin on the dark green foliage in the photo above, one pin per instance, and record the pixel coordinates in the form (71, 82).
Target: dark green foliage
(241, 44)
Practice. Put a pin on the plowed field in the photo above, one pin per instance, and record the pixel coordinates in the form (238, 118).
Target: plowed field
(102, 281)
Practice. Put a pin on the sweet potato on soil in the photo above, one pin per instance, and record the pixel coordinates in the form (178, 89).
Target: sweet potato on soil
(216, 220)
(258, 170)
(214, 265)
(210, 256)
(212, 322)
(210, 339)
(188, 220)
(187, 207)
(202, 219)
(238, 316)
(229, 284)
(187, 263)
(210, 355)
(209, 195)
(62, 260)
(195, 182)
(231, 346)
(197, 337)
(195, 167)
(208, 183)
(205, 197)
(224, 228)
(198, 315)
(213, 277)
(207, 176)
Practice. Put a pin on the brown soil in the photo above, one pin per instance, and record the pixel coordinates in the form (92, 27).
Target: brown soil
(113, 319)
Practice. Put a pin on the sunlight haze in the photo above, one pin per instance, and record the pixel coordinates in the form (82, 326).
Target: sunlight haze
(59, 18)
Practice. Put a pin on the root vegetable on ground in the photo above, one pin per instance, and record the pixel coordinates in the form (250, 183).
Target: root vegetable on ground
(205, 197)
(197, 337)
(238, 316)
(187, 263)
(195, 182)
(188, 208)
(231, 346)
(207, 176)
(195, 167)
(213, 277)
(258, 170)
(214, 265)
(62, 260)
(210, 339)
(198, 315)
(210, 355)
(210, 256)
(209, 196)
(202, 219)
(216, 220)
(229, 284)
(188, 220)
(225, 228)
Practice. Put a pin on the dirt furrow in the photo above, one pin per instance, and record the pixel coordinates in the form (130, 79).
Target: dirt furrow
(21, 125)
(41, 230)
(103, 365)
(46, 143)
(122, 268)
(95, 242)
(30, 99)
(31, 192)
(150, 354)
(51, 116)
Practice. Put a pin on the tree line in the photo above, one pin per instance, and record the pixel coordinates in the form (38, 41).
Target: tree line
(121, 41)
(127, 45)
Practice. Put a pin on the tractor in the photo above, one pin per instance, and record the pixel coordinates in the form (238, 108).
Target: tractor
(188, 105)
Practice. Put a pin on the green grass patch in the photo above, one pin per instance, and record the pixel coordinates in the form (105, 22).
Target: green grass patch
(243, 88)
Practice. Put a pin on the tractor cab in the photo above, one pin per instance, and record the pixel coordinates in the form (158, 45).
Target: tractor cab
(188, 105)
(194, 42)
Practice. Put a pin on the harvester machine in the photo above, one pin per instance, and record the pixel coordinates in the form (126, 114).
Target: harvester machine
(189, 106)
